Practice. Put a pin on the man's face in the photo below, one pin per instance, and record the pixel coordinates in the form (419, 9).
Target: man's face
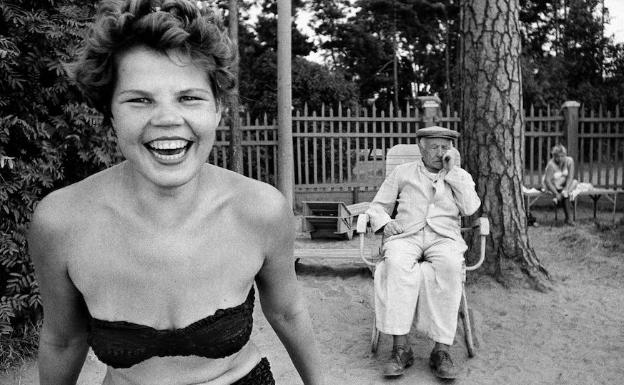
(433, 150)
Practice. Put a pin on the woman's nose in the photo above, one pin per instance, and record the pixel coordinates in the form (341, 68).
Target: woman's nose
(166, 115)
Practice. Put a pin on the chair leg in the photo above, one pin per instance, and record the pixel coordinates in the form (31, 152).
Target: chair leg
(466, 317)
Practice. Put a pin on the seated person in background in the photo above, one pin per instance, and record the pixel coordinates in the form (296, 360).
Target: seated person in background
(559, 179)
(423, 252)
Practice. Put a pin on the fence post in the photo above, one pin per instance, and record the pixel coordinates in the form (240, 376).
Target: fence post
(430, 107)
(286, 172)
(570, 111)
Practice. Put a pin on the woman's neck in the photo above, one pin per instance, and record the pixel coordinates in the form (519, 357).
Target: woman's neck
(170, 206)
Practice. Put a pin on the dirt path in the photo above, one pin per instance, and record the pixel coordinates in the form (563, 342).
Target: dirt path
(572, 335)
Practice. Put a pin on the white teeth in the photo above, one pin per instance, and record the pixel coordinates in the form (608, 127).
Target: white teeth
(167, 144)
(175, 156)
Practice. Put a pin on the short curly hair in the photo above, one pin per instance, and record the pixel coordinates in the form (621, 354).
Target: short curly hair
(558, 149)
(162, 25)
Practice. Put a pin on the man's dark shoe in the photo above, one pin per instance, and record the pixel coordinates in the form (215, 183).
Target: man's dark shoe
(442, 365)
(401, 358)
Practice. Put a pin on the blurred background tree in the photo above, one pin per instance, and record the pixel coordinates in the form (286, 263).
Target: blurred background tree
(566, 54)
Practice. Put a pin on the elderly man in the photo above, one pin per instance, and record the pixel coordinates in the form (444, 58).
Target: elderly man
(423, 250)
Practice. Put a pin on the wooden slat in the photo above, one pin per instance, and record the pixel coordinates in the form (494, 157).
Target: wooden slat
(332, 152)
(306, 153)
(323, 170)
(349, 168)
(269, 134)
(315, 152)
(365, 186)
(257, 157)
(340, 152)
(297, 149)
(333, 253)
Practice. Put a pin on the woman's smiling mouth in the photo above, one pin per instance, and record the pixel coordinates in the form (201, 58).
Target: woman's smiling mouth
(168, 149)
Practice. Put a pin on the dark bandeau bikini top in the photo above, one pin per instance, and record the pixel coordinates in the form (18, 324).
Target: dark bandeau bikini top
(122, 344)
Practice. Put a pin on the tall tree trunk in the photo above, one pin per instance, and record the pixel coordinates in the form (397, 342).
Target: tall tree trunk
(235, 149)
(493, 125)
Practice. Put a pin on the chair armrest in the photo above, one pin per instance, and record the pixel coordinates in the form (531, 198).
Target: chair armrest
(483, 224)
(362, 222)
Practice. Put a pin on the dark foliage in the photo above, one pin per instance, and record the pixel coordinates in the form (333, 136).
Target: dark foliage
(566, 55)
(419, 33)
(48, 137)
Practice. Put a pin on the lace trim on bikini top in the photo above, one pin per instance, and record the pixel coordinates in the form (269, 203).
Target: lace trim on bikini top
(122, 344)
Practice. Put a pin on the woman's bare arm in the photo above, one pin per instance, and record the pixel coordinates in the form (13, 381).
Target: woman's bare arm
(63, 339)
(548, 178)
(570, 179)
(280, 294)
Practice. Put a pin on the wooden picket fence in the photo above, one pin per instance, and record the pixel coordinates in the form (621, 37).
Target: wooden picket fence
(342, 149)
(599, 136)
(601, 148)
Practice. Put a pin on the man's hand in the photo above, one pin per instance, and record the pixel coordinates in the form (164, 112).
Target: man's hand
(451, 159)
(392, 228)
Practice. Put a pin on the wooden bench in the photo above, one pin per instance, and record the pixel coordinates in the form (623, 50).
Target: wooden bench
(531, 196)
(595, 194)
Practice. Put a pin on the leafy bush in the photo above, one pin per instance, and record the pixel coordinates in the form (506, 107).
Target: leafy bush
(48, 137)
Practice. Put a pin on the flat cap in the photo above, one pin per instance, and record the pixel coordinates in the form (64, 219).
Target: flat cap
(437, 132)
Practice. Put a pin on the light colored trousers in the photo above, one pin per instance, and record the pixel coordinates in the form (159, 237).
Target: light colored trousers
(421, 273)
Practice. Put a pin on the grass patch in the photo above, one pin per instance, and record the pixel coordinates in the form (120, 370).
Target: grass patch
(17, 348)
(612, 236)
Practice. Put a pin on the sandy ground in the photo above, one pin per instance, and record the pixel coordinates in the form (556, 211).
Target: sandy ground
(573, 334)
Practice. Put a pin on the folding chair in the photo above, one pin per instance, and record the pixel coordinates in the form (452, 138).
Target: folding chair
(397, 155)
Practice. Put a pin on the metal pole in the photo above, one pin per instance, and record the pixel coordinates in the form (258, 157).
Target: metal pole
(286, 174)
(235, 150)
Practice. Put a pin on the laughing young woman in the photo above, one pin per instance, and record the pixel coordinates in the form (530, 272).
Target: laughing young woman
(153, 262)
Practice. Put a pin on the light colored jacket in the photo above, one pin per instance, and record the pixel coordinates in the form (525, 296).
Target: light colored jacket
(424, 199)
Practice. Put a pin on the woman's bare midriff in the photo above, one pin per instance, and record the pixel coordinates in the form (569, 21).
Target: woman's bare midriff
(191, 370)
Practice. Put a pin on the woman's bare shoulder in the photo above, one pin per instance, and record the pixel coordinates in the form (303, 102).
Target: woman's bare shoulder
(252, 197)
(63, 208)
(569, 161)
(551, 165)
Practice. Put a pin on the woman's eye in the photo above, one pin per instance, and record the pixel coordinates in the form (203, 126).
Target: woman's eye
(189, 98)
(139, 100)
